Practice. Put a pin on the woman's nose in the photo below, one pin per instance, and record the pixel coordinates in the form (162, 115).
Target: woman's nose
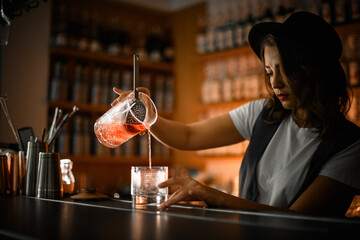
(277, 80)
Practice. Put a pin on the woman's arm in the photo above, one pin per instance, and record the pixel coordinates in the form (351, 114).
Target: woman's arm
(216, 132)
(210, 133)
(324, 196)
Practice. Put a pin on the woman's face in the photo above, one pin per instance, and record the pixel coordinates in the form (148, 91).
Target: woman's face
(278, 80)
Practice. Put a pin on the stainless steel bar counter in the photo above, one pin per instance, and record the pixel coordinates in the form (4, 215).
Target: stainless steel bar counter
(32, 218)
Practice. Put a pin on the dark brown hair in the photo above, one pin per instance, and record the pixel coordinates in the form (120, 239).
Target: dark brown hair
(319, 83)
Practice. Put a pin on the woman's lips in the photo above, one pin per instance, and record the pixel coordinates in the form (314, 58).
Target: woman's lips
(282, 97)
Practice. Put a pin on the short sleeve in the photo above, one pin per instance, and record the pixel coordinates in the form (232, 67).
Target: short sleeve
(345, 166)
(244, 117)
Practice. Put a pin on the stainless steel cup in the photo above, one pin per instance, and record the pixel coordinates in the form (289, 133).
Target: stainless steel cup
(4, 175)
(49, 181)
(15, 168)
(32, 160)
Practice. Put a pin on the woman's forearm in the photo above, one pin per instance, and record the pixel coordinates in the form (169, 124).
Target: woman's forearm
(216, 198)
(171, 133)
(210, 133)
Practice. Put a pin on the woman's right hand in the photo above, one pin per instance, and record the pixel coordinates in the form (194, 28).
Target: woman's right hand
(123, 94)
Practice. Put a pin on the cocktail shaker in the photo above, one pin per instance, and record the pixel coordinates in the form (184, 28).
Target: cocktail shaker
(4, 175)
(31, 173)
(15, 165)
(49, 181)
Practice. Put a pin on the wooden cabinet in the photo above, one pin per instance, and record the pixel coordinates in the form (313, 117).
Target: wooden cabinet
(91, 52)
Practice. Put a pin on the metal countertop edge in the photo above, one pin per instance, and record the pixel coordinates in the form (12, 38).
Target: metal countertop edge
(211, 219)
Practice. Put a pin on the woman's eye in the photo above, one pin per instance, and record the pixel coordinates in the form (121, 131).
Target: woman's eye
(269, 74)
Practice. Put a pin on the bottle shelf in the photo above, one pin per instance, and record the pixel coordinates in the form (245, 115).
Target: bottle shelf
(105, 58)
(221, 105)
(246, 49)
(92, 109)
(126, 160)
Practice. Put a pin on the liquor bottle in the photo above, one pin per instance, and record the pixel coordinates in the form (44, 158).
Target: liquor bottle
(227, 87)
(154, 44)
(314, 7)
(201, 34)
(85, 85)
(249, 19)
(229, 28)
(340, 11)
(113, 38)
(217, 81)
(281, 12)
(125, 40)
(59, 23)
(355, 10)
(220, 27)
(141, 41)
(77, 137)
(95, 87)
(267, 15)
(169, 94)
(86, 129)
(115, 82)
(327, 11)
(206, 84)
(210, 36)
(78, 91)
(240, 26)
(290, 7)
(145, 80)
(58, 86)
(105, 86)
(159, 92)
(72, 29)
(96, 34)
(168, 52)
(62, 143)
(126, 83)
(84, 31)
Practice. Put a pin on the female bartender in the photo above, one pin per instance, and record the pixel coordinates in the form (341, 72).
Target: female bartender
(303, 154)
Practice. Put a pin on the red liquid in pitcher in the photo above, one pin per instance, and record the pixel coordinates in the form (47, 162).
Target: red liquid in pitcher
(113, 134)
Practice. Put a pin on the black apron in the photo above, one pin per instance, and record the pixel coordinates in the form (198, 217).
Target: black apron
(345, 134)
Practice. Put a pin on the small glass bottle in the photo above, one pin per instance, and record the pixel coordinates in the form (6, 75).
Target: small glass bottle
(68, 178)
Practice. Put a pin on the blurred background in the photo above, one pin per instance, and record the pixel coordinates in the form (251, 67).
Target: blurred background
(194, 57)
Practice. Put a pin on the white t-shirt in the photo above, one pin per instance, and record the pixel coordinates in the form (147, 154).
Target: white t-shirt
(284, 164)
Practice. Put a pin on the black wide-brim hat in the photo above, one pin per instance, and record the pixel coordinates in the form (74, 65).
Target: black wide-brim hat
(306, 28)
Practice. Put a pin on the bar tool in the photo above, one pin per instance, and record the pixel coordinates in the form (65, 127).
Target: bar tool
(60, 126)
(138, 110)
(4, 175)
(8, 117)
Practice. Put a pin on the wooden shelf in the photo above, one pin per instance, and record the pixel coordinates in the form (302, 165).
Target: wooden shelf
(356, 90)
(226, 53)
(342, 30)
(347, 29)
(221, 105)
(90, 108)
(128, 160)
(222, 157)
(83, 107)
(105, 58)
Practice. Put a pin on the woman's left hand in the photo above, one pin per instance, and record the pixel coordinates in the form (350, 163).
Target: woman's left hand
(190, 189)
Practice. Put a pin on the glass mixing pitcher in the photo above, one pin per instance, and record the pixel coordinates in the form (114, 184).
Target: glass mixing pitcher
(130, 116)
